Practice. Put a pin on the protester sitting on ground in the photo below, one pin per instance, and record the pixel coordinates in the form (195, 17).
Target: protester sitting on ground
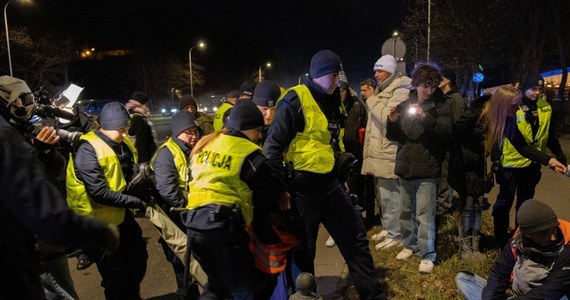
(535, 263)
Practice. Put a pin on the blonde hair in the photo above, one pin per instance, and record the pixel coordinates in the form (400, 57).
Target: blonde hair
(205, 140)
(501, 104)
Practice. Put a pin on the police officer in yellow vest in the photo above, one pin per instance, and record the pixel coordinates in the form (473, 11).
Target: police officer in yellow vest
(96, 177)
(519, 174)
(172, 174)
(223, 111)
(228, 171)
(299, 136)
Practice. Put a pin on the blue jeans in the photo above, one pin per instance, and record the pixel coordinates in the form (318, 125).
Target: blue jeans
(417, 219)
(388, 193)
(470, 285)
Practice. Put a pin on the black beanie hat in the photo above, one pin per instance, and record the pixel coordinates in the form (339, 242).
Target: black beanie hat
(449, 74)
(247, 88)
(181, 121)
(244, 115)
(233, 94)
(266, 93)
(324, 62)
(187, 100)
(141, 97)
(114, 116)
(535, 216)
(531, 81)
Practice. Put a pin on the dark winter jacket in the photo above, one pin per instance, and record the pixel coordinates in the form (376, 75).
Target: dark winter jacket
(555, 266)
(457, 104)
(467, 149)
(356, 119)
(421, 143)
(32, 204)
(205, 123)
(144, 137)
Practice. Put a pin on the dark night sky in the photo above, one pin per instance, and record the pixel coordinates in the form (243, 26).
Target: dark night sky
(240, 35)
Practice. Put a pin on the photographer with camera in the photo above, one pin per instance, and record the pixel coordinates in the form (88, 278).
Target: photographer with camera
(422, 127)
(172, 174)
(33, 205)
(96, 179)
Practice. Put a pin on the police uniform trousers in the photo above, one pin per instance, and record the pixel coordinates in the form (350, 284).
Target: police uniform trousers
(519, 181)
(220, 244)
(321, 199)
(123, 271)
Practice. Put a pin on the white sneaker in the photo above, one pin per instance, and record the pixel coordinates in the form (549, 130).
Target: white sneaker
(330, 242)
(426, 266)
(404, 254)
(379, 236)
(388, 243)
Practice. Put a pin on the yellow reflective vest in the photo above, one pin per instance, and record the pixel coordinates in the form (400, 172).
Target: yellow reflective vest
(78, 199)
(511, 158)
(180, 161)
(219, 116)
(311, 150)
(216, 175)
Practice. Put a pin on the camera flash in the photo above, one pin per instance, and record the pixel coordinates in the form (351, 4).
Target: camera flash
(412, 111)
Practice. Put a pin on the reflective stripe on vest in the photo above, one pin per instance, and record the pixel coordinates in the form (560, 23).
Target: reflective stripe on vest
(216, 175)
(78, 199)
(511, 158)
(272, 259)
(219, 116)
(180, 160)
(311, 150)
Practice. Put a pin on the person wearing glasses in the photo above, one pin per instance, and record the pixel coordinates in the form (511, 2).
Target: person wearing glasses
(170, 165)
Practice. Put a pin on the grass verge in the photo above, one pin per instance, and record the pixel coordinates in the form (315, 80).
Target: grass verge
(402, 279)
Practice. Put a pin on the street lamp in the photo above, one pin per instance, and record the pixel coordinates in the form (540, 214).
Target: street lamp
(201, 45)
(395, 38)
(8, 37)
(259, 71)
